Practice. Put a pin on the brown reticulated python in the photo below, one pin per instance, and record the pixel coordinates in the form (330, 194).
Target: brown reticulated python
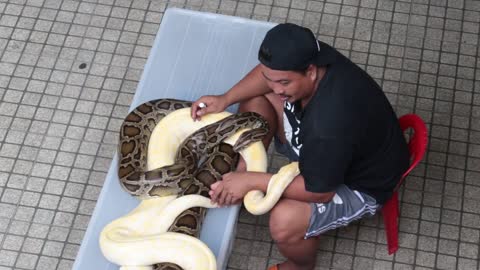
(169, 161)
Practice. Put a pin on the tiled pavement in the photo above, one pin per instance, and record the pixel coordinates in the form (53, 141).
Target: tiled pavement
(68, 71)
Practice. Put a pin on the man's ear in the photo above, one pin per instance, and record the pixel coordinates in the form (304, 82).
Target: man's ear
(312, 72)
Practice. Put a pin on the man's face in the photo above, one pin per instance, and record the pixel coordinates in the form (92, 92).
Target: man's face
(291, 86)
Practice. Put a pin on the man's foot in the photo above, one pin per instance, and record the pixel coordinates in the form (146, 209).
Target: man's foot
(288, 265)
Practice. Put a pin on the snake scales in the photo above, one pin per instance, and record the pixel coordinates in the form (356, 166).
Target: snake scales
(199, 161)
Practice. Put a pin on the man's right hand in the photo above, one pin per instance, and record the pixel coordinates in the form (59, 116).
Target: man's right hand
(214, 104)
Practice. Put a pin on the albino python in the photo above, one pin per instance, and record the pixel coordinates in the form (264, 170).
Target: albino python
(158, 162)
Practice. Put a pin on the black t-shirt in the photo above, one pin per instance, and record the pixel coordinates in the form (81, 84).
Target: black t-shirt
(348, 134)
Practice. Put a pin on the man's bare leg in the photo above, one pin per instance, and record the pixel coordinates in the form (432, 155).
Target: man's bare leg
(289, 220)
(271, 108)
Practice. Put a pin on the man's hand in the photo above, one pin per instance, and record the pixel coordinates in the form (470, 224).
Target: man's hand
(235, 185)
(231, 189)
(208, 104)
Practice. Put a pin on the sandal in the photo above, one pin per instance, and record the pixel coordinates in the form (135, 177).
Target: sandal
(273, 267)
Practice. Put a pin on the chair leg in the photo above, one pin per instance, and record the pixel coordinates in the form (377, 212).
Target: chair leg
(390, 219)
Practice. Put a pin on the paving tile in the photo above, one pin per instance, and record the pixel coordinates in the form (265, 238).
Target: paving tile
(76, 236)
(52, 248)
(425, 259)
(237, 261)
(26, 261)
(362, 263)
(446, 262)
(257, 262)
(10, 150)
(7, 257)
(3, 225)
(408, 225)
(32, 245)
(405, 256)
(431, 214)
(451, 217)
(12, 242)
(97, 178)
(30, 198)
(54, 187)
(400, 266)
(342, 261)
(464, 264)
(45, 263)
(424, 54)
(24, 213)
(365, 249)
(449, 231)
(345, 246)
(49, 201)
(65, 264)
(407, 240)
(68, 204)
(18, 227)
(58, 233)
(382, 265)
(469, 235)
(11, 196)
(448, 247)
(40, 169)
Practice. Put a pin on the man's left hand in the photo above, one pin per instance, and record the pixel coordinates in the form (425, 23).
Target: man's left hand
(231, 189)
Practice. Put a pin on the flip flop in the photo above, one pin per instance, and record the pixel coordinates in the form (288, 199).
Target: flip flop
(273, 267)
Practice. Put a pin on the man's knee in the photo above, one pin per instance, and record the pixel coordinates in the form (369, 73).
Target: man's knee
(265, 108)
(259, 103)
(289, 221)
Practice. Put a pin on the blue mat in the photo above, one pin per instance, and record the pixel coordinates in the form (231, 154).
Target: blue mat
(194, 54)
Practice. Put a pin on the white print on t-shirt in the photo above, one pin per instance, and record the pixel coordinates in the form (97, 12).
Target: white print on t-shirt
(292, 135)
(321, 206)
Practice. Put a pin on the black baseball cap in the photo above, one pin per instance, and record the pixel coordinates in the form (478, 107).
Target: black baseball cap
(289, 46)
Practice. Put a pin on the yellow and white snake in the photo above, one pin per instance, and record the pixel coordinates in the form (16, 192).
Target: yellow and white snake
(169, 161)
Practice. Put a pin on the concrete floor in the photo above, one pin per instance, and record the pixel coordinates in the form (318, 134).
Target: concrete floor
(68, 71)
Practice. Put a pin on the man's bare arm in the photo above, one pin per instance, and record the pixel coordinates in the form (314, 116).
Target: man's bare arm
(295, 191)
(252, 85)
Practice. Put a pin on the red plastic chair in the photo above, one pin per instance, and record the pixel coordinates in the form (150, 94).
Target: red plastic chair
(417, 146)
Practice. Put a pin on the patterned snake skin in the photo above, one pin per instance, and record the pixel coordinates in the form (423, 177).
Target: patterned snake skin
(200, 161)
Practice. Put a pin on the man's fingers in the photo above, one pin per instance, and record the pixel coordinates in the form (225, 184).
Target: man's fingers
(214, 185)
(230, 199)
(200, 112)
(213, 196)
(222, 197)
(193, 111)
(198, 109)
(227, 199)
(216, 190)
